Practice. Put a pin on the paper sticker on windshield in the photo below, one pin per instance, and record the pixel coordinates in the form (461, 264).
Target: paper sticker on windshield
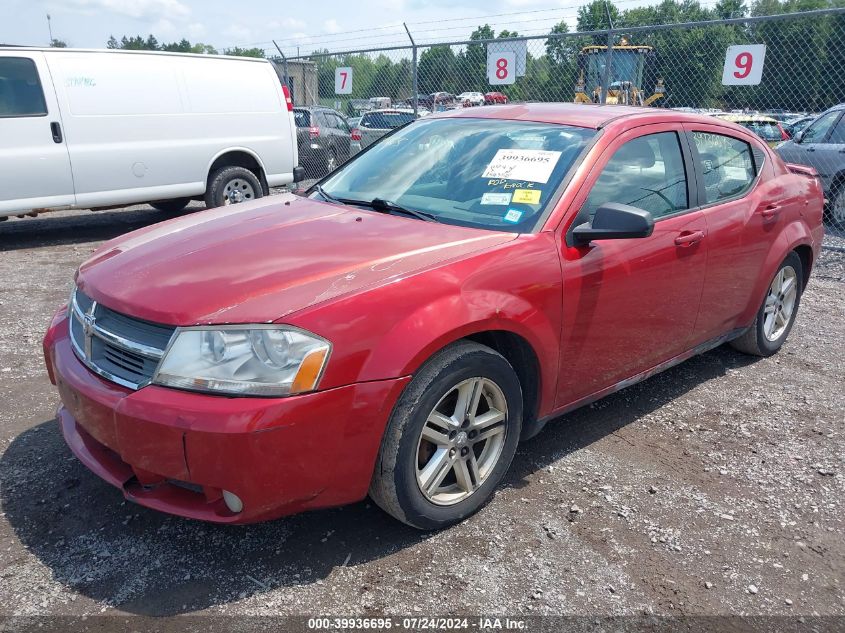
(527, 196)
(496, 198)
(522, 164)
(512, 216)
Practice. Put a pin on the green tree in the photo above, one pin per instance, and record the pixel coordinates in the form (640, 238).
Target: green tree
(245, 52)
(54, 43)
(436, 70)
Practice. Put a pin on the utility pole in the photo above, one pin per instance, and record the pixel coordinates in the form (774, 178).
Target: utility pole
(50, 29)
(608, 69)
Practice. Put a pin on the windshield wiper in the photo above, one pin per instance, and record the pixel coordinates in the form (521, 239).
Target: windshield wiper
(379, 204)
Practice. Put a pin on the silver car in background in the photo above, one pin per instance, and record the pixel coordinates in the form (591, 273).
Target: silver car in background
(376, 123)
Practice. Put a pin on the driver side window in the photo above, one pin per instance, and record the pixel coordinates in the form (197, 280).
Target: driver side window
(818, 130)
(647, 172)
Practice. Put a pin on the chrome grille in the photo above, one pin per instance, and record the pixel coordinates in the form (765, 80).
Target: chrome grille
(118, 347)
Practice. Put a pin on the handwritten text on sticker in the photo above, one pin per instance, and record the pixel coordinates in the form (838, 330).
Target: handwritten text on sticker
(522, 164)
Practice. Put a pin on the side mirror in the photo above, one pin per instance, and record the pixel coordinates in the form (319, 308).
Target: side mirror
(298, 173)
(613, 221)
(798, 136)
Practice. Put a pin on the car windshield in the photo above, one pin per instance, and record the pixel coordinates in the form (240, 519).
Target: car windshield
(386, 120)
(764, 129)
(484, 173)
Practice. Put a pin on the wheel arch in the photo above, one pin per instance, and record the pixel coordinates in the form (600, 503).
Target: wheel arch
(237, 157)
(793, 238)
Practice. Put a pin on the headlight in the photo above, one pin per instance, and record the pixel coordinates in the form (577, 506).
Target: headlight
(253, 360)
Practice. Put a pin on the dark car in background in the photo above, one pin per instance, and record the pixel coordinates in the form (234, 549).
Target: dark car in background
(822, 146)
(324, 139)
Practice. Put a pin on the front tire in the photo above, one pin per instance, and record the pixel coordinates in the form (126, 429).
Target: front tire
(776, 315)
(450, 439)
(835, 214)
(232, 185)
(171, 206)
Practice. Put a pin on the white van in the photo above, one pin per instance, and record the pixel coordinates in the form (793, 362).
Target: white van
(97, 128)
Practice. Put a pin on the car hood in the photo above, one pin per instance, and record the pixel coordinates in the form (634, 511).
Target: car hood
(260, 261)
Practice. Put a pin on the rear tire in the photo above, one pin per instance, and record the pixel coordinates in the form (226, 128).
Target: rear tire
(232, 185)
(776, 315)
(171, 206)
(441, 458)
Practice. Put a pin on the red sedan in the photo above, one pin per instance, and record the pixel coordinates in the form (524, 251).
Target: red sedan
(491, 98)
(442, 295)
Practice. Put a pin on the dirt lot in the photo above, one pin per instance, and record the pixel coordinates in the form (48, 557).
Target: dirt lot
(717, 487)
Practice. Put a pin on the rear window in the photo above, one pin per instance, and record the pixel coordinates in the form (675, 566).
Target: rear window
(386, 120)
(302, 118)
(20, 89)
(765, 130)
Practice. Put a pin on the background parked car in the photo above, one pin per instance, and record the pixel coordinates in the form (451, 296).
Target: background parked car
(822, 146)
(324, 139)
(375, 124)
(795, 125)
(91, 129)
(767, 128)
(491, 98)
(471, 98)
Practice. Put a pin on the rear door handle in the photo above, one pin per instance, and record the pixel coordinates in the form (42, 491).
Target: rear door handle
(56, 129)
(688, 238)
(770, 211)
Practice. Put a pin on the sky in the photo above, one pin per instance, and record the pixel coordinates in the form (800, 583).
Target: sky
(334, 24)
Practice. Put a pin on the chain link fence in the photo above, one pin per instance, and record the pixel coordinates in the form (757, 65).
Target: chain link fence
(669, 66)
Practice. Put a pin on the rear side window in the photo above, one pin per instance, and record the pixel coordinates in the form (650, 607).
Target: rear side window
(302, 118)
(727, 164)
(386, 120)
(20, 88)
(648, 173)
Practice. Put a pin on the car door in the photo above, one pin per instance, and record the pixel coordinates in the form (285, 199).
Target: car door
(813, 148)
(343, 136)
(630, 304)
(744, 212)
(34, 156)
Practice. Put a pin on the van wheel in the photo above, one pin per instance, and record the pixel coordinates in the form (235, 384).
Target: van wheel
(231, 185)
(171, 206)
(450, 438)
(776, 315)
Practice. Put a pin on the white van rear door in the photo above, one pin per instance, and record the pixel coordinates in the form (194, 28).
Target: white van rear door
(35, 167)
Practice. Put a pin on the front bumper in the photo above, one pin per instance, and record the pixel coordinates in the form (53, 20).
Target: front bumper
(176, 451)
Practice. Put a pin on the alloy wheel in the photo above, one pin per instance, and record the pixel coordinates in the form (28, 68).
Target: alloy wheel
(780, 303)
(461, 441)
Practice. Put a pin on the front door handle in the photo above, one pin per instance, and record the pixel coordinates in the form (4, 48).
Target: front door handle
(688, 238)
(56, 129)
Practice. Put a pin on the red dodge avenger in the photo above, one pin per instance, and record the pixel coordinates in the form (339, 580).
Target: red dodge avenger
(426, 306)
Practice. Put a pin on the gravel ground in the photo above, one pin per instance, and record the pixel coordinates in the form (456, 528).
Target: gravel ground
(714, 488)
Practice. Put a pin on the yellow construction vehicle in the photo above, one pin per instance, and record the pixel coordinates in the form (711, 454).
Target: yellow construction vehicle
(628, 65)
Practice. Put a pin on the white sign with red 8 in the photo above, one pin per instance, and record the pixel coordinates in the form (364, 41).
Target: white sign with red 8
(501, 67)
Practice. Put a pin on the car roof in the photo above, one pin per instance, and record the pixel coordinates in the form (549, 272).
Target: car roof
(746, 118)
(593, 116)
(391, 111)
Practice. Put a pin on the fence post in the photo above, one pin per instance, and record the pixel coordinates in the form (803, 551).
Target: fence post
(608, 69)
(286, 81)
(413, 69)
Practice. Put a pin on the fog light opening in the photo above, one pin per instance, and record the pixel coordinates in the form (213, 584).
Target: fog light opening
(233, 501)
